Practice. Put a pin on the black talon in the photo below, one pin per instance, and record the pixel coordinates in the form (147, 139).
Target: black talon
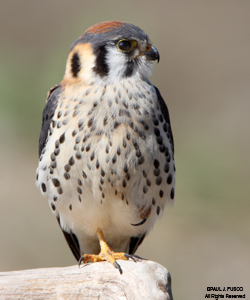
(142, 222)
(80, 261)
(118, 267)
(130, 256)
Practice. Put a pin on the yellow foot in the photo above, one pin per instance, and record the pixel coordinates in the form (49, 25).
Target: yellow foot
(106, 254)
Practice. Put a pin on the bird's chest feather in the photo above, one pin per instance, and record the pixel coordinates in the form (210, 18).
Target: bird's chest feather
(102, 148)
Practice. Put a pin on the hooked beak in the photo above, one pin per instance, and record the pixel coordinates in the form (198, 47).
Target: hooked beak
(153, 54)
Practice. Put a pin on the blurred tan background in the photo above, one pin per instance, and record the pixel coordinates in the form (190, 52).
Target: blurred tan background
(204, 76)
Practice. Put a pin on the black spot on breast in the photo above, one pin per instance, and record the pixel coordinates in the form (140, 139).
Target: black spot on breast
(57, 144)
(165, 127)
(62, 138)
(78, 139)
(75, 64)
(138, 153)
(127, 176)
(124, 143)
(157, 172)
(118, 150)
(105, 120)
(158, 210)
(135, 144)
(59, 114)
(80, 124)
(53, 206)
(159, 140)
(43, 185)
(52, 157)
(169, 179)
(55, 182)
(125, 104)
(53, 164)
(166, 168)
(166, 153)
(162, 148)
(125, 169)
(145, 189)
(128, 136)
(114, 159)
(116, 124)
(57, 151)
(156, 163)
(59, 190)
(141, 160)
(102, 172)
(90, 122)
(92, 156)
(158, 180)
(84, 140)
(71, 161)
(156, 122)
(160, 118)
(66, 175)
(67, 168)
(88, 147)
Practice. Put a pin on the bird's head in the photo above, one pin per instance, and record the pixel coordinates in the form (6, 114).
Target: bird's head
(109, 52)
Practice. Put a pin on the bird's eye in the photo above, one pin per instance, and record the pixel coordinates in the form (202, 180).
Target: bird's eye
(126, 45)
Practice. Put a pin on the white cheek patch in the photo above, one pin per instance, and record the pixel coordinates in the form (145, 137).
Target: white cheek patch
(116, 61)
(117, 64)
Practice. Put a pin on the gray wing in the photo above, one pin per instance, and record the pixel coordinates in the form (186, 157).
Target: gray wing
(165, 113)
(48, 114)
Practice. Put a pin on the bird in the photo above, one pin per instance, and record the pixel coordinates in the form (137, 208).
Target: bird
(106, 148)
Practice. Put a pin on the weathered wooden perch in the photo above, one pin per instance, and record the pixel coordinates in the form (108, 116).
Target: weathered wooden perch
(142, 280)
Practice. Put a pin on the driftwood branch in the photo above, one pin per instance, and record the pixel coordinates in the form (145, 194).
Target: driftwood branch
(142, 280)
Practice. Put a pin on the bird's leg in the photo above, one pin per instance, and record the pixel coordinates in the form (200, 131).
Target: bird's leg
(106, 254)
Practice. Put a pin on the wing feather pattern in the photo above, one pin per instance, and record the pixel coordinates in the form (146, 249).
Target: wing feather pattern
(165, 113)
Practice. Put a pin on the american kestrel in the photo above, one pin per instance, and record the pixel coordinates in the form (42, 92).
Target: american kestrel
(106, 147)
